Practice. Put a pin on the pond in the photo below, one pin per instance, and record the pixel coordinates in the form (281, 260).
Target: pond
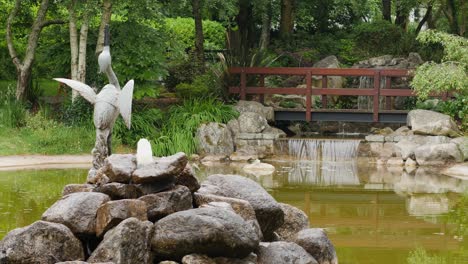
(372, 214)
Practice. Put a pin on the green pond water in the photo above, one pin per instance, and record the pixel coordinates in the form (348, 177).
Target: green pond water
(372, 215)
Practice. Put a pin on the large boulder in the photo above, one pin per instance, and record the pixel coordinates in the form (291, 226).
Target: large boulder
(256, 107)
(316, 243)
(128, 243)
(462, 143)
(119, 167)
(165, 203)
(283, 253)
(241, 207)
(210, 231)
(427, 122)
(250, 122)
(438, 154)
(73, 188)
(267, 210)
(214, 139)
(187, 178)
(117, 191)
(407, 144)
(162, 170)
(332, 81)
(294, 221)
(41, 242)
(203, 259)
(112, 213)
(77, 211)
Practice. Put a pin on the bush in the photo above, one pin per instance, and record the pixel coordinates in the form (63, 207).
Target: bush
(202, 86)
(145, 124)
(382, 37)
(183, 29)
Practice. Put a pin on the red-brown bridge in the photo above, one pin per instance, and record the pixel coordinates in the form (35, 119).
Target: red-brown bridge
(381, 78)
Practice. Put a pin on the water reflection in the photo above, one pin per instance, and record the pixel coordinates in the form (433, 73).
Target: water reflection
(373, 214)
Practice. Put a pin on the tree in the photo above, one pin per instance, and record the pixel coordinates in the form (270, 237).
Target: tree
(105, 20)
(287, 18)
(387, 10)
(199, 50)
(24, 66)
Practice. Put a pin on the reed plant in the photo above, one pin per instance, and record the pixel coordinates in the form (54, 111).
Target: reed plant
(12, 111)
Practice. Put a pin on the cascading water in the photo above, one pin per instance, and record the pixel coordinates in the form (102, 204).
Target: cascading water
(321, 162)
(319, 149)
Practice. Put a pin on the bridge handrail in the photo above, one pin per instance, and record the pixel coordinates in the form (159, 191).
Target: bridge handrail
(308, 72)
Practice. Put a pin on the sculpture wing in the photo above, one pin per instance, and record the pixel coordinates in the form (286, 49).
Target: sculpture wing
(84, 90)
(125, 103)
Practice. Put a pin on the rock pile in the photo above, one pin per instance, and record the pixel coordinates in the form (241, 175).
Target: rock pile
(159, 213)
(430, 138)
(246, 138)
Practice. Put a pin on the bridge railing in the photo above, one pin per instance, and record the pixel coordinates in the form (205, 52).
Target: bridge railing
(378, 75)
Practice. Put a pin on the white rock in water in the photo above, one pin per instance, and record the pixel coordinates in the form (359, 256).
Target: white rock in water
(144, 154)
(259, 168)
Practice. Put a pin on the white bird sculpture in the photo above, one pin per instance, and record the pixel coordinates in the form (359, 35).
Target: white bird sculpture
(108, 103)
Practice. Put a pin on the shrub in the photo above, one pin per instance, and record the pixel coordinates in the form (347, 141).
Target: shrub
(201, 86)
(183, 29)
(145, 124)
(12, 112)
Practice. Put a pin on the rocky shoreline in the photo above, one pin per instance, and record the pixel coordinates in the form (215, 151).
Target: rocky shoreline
(160, 213)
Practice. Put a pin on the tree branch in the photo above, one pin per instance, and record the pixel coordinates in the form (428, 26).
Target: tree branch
(9, 36)
(51, 22)
(425, 18)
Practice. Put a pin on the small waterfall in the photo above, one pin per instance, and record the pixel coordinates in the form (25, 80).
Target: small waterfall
(330, 150)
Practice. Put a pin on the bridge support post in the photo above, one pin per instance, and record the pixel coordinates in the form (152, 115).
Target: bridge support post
(262, 84)
(376, 96)
(243, 87)
(324, 86)
(309, 96)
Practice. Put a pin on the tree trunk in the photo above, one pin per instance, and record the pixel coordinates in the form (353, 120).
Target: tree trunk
(464, 11)
(425, 18)
(402, 15)
(82, 49)
(105, 20)
(73, 45)
(23, 68)
(266, 26)
(387, 10)
(287, 18)
(451, 13)
(199, 39)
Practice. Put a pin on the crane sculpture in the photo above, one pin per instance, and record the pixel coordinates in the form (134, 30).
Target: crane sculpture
(108, 103)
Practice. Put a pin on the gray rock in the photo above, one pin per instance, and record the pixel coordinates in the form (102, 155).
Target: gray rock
(119, 167)
(165, 203)
(162, 170)
(73, 188)
(432, 123)
(77, 211)
(187, 178)
(278, 133)
(127, 243)
(168, 262)
(117, 191)
(224, 233)
(402, 131)
(41, 242)
(295, 220)
(256, 107)
(438, 154)
(283, 253)
(317, 244)
(462, 143)
(82, 262)
(241, 207)
(112, 213)
(375, 138)
(406, 149)
(155, 187)
(252, 123)
(214, 139)
(268, 211)
(410, 163)
(203, 259)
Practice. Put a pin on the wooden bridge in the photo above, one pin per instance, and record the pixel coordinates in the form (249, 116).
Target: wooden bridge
(382, 87)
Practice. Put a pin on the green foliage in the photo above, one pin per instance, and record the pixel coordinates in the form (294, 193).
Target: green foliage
(420, 256)
(382, 37)
(183, 29)
(201, 86)
(146, 90)
(449, 75)
(145, 123)
(178, 131)
(77, 113)
(457, 108)
(12, 112)
(138, 51)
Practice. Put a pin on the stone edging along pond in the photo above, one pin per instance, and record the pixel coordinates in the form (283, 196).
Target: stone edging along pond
(159, 212)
